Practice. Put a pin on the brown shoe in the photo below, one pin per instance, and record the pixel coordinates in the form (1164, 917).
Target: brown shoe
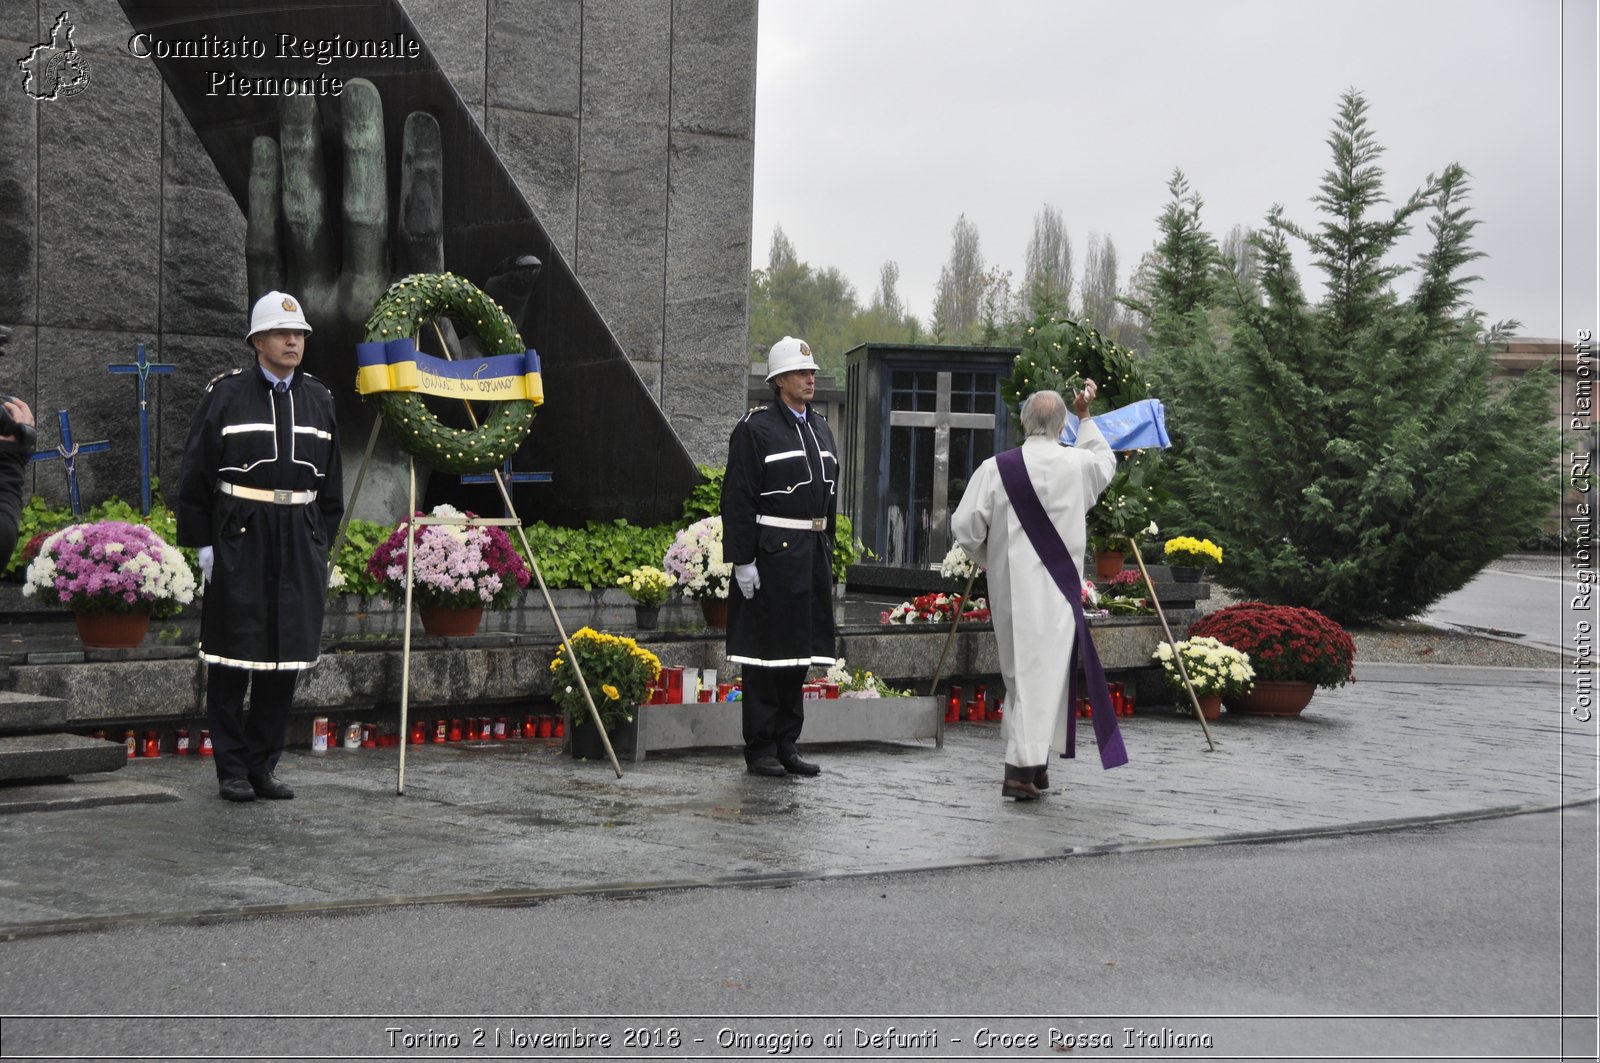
(1019, 784)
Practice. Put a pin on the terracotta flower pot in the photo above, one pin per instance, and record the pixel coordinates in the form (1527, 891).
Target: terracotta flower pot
(451, 621)
(1108, 564)
(715, 610)
(1211, 706)
(112, 631)
(1274, 697)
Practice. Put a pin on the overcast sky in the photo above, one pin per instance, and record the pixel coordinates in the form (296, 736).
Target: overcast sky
(879, 122)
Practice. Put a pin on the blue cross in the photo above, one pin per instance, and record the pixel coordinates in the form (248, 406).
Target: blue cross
(510, 476)
(143, 368)
(68, 452)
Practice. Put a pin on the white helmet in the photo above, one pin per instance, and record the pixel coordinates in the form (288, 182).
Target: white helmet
(276, 310)
(787, 355)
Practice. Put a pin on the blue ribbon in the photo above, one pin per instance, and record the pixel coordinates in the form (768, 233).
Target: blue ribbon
(1136, 426)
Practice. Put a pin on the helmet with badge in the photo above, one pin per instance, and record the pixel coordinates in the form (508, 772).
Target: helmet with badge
(788, 355)
(277, 310)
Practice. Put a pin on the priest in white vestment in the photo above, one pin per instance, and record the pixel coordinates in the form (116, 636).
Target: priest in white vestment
(1033, 621)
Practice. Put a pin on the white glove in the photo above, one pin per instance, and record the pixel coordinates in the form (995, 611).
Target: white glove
(748, 578)
(207, 556)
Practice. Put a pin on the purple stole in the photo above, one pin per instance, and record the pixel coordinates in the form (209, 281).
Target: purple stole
(1052, 551)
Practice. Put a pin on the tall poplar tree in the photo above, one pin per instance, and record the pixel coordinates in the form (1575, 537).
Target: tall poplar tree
(1351, 454)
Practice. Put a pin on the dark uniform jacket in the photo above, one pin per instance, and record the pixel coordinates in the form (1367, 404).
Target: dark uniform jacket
(263, 607)
(779, 467)
(13, 462)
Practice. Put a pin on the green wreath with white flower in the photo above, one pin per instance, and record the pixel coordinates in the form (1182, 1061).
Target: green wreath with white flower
(410, 304)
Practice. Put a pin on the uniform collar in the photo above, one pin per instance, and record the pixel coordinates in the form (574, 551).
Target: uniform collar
(272, 381)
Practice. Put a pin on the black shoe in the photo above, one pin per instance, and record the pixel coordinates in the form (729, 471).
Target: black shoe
(271, 787)
(765, 766)
(795, 766)
(1018, 784)
(1041, 779)
(236, 790)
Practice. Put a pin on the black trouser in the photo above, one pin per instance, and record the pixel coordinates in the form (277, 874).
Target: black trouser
(773, 711)
(247, 744)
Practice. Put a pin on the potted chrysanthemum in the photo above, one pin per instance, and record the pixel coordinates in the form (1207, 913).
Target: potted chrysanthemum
(618, 672)
(1189, 556)
(695, 561)
(1215, 670)
(1293, 650)
(114, 577)
(457, 571)
(648, 586)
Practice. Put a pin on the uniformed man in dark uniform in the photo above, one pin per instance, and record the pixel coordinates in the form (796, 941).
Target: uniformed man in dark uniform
(778, 499)
(261, 495)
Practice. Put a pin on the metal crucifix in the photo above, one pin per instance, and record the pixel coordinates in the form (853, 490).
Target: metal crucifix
(68, 452)
(143, 369)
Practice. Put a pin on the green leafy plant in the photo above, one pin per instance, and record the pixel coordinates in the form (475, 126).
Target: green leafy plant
(847, 549)
(705, 500)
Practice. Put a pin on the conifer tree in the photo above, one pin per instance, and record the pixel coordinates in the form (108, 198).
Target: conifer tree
(1352, 454)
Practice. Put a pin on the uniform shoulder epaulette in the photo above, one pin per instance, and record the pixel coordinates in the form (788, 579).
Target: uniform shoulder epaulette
(221, 375)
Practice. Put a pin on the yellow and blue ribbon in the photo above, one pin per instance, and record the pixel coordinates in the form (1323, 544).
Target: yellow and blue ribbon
(397, 365)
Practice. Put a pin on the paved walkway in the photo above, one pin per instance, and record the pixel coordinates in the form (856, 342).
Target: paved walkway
(511, 822)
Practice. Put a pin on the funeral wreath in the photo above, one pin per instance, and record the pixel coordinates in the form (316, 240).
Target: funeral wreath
(403, 310)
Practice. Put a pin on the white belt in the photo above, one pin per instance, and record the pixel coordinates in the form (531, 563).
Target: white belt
(261, 494)
(802, 523)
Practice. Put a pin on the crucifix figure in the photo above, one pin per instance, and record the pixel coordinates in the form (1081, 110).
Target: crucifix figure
(143, 369)
(511, 478)
(941, 420)
(68, 452)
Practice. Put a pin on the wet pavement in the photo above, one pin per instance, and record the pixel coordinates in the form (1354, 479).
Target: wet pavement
(512, 822)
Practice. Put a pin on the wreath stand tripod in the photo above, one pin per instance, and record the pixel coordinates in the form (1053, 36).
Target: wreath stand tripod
(412, 522)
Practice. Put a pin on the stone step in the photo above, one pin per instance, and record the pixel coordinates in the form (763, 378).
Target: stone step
(54, 756)
(22, 712)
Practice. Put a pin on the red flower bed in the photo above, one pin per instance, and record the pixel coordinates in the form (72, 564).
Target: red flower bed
(1283, 641)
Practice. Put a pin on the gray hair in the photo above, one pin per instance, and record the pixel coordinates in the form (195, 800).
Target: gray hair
(1044, 413)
